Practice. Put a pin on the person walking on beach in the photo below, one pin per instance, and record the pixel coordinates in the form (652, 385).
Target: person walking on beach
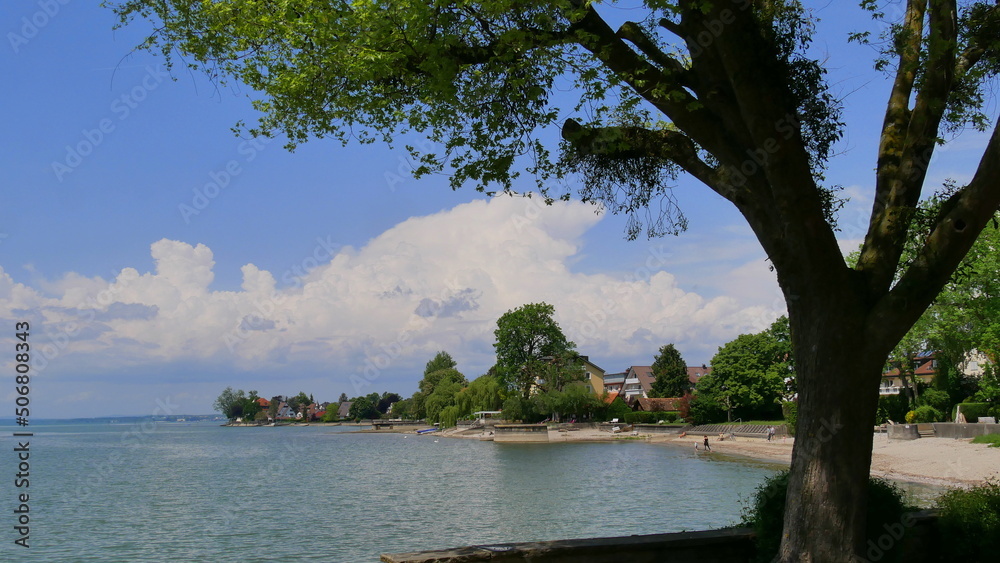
(770, 433)
(707, 447)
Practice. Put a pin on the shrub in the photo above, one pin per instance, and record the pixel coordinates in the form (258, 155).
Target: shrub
(666, 416)
(617, 409)
(927, 413)
(936, 398)
(705, 410)
(972, 411)
(765, 513)
(790, 412)
(640, 417)
(684, 408)
(970, 519)
(911, 417)
(892, 407)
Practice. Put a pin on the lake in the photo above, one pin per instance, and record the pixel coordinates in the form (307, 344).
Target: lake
(201, 492)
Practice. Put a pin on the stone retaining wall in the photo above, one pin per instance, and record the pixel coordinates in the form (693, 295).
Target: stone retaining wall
(917, 533)
(952, 430)
(902, 431)
(521, 433)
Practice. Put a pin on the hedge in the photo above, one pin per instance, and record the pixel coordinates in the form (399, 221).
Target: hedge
(790, 412)
(972, 411)
(640, 417)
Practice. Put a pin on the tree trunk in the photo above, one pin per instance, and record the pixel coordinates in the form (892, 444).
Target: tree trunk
(838, 378)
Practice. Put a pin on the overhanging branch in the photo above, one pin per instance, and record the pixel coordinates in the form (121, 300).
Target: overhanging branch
(636, 142)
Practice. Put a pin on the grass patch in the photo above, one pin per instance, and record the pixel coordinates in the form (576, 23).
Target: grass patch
(992, 439)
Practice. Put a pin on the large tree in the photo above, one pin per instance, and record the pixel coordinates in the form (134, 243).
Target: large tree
(230, 402)
(724, 91)
(529, 344)
(748, 376)
(670, 373)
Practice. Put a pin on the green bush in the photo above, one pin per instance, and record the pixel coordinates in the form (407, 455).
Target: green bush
(927, 413)
(790, 412)
(970, 519)
(765, 513)
(705, 410)
(617, 409)
(665, 416)
(640, 417)
(936, 398)
(972, 411)
(892, 407)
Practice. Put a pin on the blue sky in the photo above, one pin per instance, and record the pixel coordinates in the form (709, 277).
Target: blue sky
(326, 270)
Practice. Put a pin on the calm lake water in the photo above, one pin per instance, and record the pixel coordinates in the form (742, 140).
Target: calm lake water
(200, 492)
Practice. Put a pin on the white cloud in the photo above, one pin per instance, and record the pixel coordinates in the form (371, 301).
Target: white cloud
(429, 283)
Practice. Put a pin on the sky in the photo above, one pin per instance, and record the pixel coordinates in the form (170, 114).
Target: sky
(159, 258)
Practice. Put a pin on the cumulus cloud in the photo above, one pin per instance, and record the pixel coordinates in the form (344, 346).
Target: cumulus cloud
(430, 283)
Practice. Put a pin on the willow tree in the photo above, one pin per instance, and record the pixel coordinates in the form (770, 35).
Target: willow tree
(723, 90)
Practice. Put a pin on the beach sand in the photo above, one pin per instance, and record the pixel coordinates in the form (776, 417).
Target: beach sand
(930, 461)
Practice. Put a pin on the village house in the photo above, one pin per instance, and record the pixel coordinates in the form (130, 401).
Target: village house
(925, 368)
(613, 382)
(658, 404)
(593, 375)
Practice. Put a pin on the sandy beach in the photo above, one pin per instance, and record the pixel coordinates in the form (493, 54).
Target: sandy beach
(930, 461)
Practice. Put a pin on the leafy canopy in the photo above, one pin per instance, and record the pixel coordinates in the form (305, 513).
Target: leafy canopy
(528, 342)
(670, 373)
(483, 80)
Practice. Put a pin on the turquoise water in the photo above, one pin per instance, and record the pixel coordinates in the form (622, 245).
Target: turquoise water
(200, 492)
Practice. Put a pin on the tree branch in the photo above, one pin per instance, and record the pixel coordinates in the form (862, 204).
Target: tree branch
(661, 88)
(631, 142)
(896, 194)
(962, 218)
(634, 34)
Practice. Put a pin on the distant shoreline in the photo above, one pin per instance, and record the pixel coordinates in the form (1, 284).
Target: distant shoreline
(936, 462)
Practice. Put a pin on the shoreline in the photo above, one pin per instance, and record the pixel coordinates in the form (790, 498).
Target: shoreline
(934, 462)
(931, 462)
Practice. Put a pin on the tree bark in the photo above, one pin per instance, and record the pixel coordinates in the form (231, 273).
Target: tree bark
(838, 378)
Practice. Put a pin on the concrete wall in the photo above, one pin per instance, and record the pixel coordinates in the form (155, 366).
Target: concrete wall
(714, 546)
(520, 433)
(952, 430)
(902, 431)
(920, 544)
(659, 428)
